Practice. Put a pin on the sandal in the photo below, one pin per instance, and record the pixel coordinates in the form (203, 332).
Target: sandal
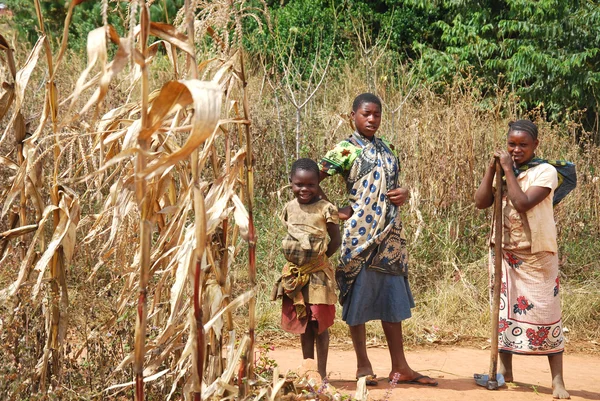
(370, 380)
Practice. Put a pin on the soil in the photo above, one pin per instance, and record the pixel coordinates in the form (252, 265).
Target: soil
(453, 367)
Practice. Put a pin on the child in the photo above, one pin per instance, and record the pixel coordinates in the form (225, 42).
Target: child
(307, 279)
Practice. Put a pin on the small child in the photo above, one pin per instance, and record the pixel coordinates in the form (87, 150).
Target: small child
(307, 280)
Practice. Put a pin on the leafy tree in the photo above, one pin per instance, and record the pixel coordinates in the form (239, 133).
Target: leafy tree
(546, 50)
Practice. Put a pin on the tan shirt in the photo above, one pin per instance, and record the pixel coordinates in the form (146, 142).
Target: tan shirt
(535, 228)
(307, 238)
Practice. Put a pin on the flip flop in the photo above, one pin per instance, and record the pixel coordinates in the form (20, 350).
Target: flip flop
(370, 380)
(416, 381)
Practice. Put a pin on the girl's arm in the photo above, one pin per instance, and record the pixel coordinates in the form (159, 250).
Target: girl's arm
(522, 201)
(344, 212)
(322, 176)
(335, 239)
(484, 196)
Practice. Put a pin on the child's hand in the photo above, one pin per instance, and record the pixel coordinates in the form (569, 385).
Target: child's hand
(345, 212)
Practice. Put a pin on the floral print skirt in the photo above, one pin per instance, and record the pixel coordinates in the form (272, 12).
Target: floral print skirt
(530, 316)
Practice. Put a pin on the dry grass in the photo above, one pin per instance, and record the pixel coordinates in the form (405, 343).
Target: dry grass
(445, 141)
(90, 300)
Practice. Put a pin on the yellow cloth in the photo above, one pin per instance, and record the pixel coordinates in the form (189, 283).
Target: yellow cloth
(294, 278)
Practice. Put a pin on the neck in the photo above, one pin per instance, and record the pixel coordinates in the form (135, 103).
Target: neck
(367, 137)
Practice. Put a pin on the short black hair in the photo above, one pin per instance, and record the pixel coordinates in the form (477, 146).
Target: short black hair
(304, 164)
(524, 125)
(365, 98)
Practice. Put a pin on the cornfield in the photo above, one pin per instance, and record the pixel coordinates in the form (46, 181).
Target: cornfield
(154, 194)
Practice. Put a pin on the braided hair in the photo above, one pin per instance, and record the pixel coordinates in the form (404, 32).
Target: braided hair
(525, 126)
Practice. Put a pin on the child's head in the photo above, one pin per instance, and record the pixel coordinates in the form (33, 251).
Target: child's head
(304, 179)
(366, 114)
(522, 141)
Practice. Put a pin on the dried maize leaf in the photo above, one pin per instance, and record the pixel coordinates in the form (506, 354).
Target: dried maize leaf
(29, 257)
(170, 34)
(21, 81)
(6, 162)
(239, 301)
(4, 45)
(112, 69)
(69, 211)
(213, 299)
(65, 36)
(17, 232)
(96, 51)
(173, 97)
(185, 258)
(232, 364)
(131, 383)
(7, 99)
(242, 218)
(70, 200)
(206, 101)
(15, 189)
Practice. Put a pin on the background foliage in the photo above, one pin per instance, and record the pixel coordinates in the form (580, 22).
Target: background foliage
(446, 107)
(546, 51)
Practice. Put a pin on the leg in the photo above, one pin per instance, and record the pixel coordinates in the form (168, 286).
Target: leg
(307, 340)
(505, 366)
(393, 335)
(556, 369)
(359, 341)
(322, 351)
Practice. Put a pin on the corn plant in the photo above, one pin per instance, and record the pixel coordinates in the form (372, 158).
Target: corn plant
(170, 172)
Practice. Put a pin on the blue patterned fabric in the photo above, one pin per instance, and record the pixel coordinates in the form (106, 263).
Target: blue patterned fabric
(373, 237)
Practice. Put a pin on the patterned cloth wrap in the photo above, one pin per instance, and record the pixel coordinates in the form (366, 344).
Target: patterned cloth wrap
(530, 317)
(294, 278)
(567, 175)
(373, 236)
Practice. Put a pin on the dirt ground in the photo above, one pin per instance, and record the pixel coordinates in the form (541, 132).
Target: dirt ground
(453, 367)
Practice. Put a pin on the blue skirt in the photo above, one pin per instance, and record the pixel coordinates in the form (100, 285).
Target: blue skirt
(377, 296)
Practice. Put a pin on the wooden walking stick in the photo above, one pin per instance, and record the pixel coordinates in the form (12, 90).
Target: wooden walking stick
(492, 383)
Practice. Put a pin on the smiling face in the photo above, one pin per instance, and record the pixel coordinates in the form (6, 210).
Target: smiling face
(367, 118)
(521, 147)
(305, 185)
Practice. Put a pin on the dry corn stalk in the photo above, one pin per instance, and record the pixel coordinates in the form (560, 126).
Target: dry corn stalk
(154, 161)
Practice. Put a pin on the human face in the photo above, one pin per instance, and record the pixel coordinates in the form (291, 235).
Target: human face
(305, 185)
(521, 147)
(367, 119)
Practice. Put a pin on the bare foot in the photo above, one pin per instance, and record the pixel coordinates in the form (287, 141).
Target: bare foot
(508, 376)
(558, 389)
(505, 366)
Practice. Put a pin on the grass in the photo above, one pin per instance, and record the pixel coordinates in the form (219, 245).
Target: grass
(444, 139)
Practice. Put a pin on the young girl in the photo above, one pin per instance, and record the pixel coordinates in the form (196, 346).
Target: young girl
(373, 272)
(307, 280)
(530, 315)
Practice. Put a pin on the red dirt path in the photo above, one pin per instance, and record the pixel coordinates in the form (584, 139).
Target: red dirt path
(453, 367)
